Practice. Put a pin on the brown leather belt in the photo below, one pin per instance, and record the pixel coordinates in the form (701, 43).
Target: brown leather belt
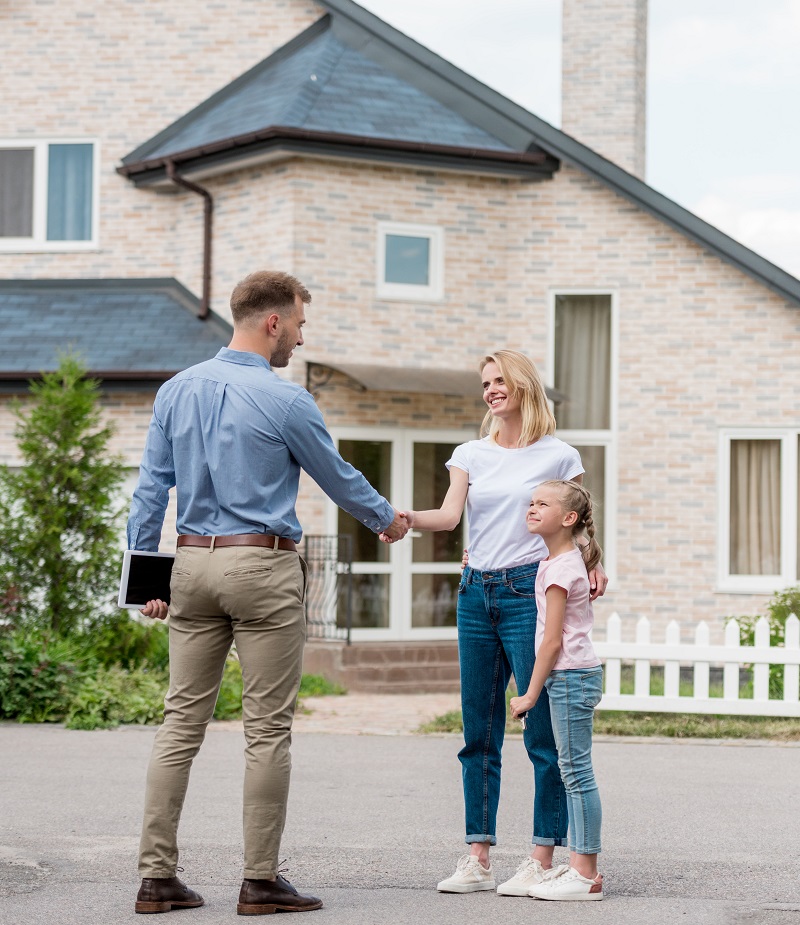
(238, 539)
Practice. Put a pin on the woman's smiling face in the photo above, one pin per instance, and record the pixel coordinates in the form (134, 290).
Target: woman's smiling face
(497, 394)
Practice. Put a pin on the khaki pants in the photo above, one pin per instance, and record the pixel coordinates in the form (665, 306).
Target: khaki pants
(254, 596)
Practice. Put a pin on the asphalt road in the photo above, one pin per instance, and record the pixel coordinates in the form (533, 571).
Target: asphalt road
(695, 833)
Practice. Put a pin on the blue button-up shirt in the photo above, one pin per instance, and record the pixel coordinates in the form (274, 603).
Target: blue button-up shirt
(233, 437)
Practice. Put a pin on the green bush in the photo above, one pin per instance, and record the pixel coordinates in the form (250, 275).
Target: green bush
(38, 678)
(59, 511)
(780, 607)
(112, 695)
(122, 639)
(315, 685)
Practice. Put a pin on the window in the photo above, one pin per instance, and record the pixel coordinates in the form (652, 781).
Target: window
(48, 196)
(583, 381)
(759, 516)
(410, 262)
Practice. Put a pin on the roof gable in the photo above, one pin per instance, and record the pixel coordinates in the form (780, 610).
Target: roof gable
(320, 82)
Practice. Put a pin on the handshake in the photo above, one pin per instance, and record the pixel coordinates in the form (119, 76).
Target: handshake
(397, 529)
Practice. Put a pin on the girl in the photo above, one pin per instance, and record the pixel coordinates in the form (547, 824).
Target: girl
(569, 671)
(496, 611)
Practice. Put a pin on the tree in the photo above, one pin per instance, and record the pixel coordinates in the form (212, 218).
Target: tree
(60, 511)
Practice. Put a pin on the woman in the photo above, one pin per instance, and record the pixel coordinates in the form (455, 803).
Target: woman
(495, 476)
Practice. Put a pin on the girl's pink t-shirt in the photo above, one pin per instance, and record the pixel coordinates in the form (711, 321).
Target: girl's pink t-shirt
(568, 571)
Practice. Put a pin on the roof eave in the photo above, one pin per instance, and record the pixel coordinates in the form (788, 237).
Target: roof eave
(228, 152)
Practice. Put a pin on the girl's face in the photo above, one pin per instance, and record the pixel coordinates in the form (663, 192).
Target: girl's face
(497, 394)
(546, 513)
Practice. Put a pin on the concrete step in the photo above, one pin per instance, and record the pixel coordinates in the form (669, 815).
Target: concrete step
(386, 667)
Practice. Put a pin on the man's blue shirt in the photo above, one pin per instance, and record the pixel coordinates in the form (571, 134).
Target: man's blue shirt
(233, 436)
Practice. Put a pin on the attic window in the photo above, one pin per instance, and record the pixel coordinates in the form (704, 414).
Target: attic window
(410, 262)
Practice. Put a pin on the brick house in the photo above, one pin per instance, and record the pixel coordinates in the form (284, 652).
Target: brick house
(147, 166)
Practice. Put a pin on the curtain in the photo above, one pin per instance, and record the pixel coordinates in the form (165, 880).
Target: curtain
(755, 507)
(583, 361)
(69, 193)
(16, 193)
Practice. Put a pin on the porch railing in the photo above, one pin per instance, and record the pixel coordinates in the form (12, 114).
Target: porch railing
(329, 594)
(699, 655)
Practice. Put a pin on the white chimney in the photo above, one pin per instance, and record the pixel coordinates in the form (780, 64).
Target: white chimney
(603, 78)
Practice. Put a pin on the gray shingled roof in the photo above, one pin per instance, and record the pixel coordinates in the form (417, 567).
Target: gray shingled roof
(319, 83)
(121, 329)
(528, 144)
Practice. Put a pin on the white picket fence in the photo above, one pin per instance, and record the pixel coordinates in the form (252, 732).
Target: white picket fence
(673, 653)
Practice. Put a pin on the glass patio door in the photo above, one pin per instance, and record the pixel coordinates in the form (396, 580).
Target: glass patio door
(406, 590)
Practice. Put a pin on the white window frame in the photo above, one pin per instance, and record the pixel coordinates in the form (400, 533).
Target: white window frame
(759, 584)
(37, 242)
(607, 438)
(434, 291)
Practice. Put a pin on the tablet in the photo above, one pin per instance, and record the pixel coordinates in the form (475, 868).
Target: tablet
(145, 577)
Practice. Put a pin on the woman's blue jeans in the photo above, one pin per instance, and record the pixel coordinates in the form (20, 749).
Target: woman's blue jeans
(496, 631)
(574, 694)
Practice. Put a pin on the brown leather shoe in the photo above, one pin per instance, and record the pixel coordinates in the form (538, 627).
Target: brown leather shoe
(164, 895)
(263, 897)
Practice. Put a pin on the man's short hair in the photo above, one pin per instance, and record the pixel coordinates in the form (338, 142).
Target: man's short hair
(266, 291)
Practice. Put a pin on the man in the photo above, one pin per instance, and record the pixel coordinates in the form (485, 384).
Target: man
(233, 436)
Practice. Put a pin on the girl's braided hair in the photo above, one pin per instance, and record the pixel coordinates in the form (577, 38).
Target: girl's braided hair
(575, 497)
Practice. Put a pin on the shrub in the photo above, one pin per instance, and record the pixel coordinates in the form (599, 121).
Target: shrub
(59, 512)
(780, 607)
(122, 639)
(37, 678)
(112, 695)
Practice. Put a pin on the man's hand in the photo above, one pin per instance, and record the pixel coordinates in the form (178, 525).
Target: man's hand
(396, 530)
(156, 610)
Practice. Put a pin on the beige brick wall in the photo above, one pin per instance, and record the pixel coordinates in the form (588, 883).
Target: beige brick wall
(603, 77)
(120, 72)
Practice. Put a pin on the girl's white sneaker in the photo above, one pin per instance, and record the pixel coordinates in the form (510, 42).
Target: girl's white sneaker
(470, 876)
(529, 873)
(569, 886)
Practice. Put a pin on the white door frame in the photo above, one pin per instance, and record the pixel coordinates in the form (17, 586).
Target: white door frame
(400, 565)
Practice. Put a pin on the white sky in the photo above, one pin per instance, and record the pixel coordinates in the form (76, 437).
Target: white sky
(723, 110)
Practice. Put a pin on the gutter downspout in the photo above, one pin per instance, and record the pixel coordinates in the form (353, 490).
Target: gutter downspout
(208, 209)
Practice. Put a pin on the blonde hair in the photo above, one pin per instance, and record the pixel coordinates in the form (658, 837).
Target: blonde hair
(524, 382)
(575, 497)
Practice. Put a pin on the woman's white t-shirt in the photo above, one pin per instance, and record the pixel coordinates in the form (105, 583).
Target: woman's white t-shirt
(501, 483)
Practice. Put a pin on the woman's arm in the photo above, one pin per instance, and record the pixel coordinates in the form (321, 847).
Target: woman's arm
(448, 516)
(549, 650)
(598, 580)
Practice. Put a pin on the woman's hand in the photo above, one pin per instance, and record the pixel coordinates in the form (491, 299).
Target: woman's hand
(598, 582)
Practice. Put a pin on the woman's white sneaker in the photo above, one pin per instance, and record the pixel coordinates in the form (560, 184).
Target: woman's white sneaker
(529, 873)
(569, 886)
(470, 876)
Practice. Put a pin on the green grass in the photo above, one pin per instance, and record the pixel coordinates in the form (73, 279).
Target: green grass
(671, 725)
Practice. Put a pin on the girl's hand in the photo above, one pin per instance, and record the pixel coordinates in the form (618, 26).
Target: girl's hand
(464, 559)
(520, 705)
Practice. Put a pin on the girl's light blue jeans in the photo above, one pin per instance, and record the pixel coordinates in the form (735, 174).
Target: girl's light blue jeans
(496, 631)
(573, 695)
